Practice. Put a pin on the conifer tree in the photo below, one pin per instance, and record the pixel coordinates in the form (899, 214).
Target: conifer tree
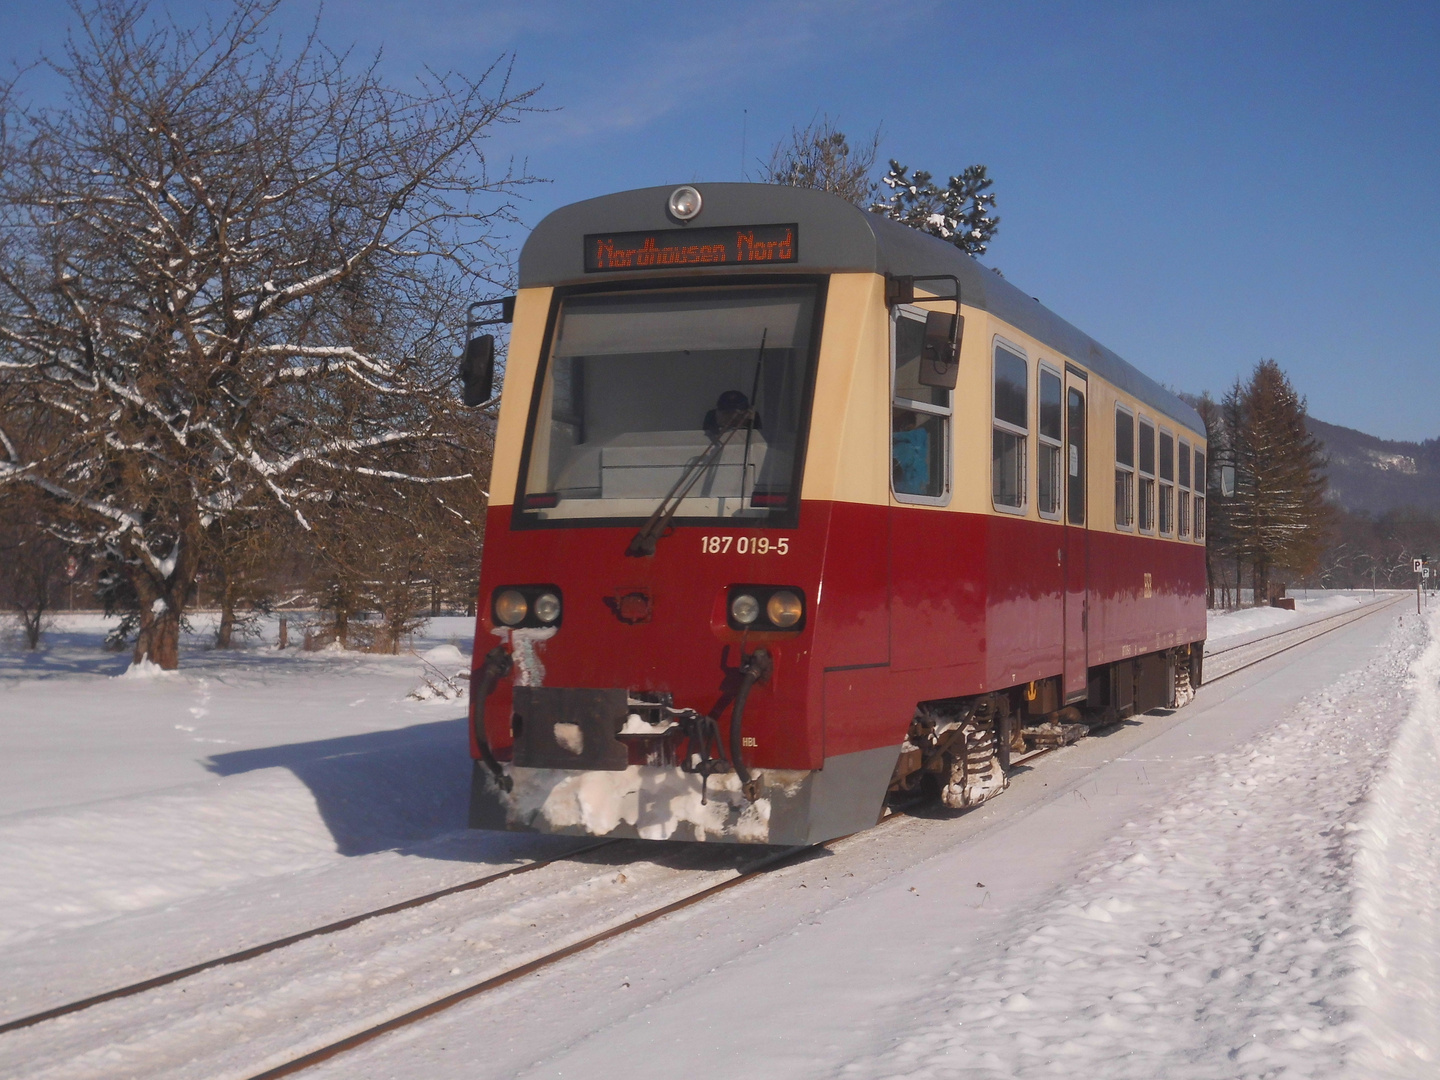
(960, 213)
(1279, 514)
(820, 156)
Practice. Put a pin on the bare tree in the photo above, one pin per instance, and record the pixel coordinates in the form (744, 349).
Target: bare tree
(820, 156)
(230, 276)
(32, 565)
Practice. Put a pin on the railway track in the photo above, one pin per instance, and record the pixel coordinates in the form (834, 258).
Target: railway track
(1240, 657)
(280, 943)
(1255, 651)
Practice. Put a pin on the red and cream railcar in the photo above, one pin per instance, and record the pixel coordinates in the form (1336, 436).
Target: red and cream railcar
(764, 546)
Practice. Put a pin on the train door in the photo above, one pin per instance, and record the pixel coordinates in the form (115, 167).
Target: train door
(1077, 543)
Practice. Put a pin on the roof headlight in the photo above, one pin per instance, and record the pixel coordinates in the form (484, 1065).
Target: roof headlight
(511, 607)
(784, 609)
(547, 607)
(685, 203)
(744, 609)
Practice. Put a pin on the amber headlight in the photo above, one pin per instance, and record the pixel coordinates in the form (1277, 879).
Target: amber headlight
(784, 609)
(511, 607)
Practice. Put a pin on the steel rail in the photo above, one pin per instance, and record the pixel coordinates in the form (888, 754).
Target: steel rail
(291, 939)
(350, 1042)
(1349, 617)
(760, 866)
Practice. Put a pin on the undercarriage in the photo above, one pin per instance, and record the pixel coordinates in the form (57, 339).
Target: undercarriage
(959, 750)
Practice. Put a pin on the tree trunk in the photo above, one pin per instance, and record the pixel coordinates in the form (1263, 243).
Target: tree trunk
(162, 602)
(227, 615)
(32, 618)
(159, 637)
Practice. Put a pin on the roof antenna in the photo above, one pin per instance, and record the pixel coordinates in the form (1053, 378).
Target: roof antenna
(744, 131)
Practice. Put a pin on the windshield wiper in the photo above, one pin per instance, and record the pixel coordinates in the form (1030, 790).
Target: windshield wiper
(657, 524)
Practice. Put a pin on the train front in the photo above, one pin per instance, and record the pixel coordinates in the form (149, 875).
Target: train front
(650, 582)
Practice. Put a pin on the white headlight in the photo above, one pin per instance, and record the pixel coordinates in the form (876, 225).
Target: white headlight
(745, 609)
(685, 203)
(547, 607)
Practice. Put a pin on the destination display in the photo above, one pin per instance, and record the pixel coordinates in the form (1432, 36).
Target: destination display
(743, 245)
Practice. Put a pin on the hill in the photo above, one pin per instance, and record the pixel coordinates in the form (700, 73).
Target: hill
(1375, 475)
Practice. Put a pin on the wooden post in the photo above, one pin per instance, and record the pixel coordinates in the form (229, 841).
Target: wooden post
(284, 632)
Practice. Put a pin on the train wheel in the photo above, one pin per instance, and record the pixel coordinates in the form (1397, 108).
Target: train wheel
(974, 769)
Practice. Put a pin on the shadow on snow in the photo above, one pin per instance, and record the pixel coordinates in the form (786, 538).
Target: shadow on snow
(379, 790)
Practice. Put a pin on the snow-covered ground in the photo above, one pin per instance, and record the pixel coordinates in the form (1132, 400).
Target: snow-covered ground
(1246, 887)
(1227, 628)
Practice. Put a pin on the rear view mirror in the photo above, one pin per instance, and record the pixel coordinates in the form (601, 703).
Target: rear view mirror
(477, 370)
(938, 359)
(1227, 481)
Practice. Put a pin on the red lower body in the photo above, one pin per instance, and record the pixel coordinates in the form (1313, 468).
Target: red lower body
(903, 604)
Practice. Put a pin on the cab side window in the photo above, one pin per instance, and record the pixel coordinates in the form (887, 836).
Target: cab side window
(919, 418)
(1011, 429)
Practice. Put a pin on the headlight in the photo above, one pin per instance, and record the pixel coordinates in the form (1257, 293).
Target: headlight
(784, 609)
(511, 607)
(744, 609)
(547, 607)
(684, 203)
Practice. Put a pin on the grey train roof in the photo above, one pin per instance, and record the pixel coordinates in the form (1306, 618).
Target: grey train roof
(834, 236)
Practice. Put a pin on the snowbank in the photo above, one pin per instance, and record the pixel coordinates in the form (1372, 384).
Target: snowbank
(1398, 884)
(1216, 938)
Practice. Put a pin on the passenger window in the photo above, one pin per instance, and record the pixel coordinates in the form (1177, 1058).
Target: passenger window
(919, 418)
(1124, 469)
(1048, 473)
(1147, 477)
(1184, 492)
(1167, 483)
(1012, 415)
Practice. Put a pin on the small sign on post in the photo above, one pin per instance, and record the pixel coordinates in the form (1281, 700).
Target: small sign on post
(1419, 565)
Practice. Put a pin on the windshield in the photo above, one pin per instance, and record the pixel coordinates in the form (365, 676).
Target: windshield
(641, 386)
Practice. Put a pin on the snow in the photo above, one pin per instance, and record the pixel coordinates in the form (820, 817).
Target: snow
(659, 802)
(447, 657)
(145, 669)
(1246, 887)
(1398, 894)
(122, 793)
(1226, 627)
(570, 737)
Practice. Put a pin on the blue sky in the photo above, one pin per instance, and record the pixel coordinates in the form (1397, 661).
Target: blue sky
(1196, 185)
